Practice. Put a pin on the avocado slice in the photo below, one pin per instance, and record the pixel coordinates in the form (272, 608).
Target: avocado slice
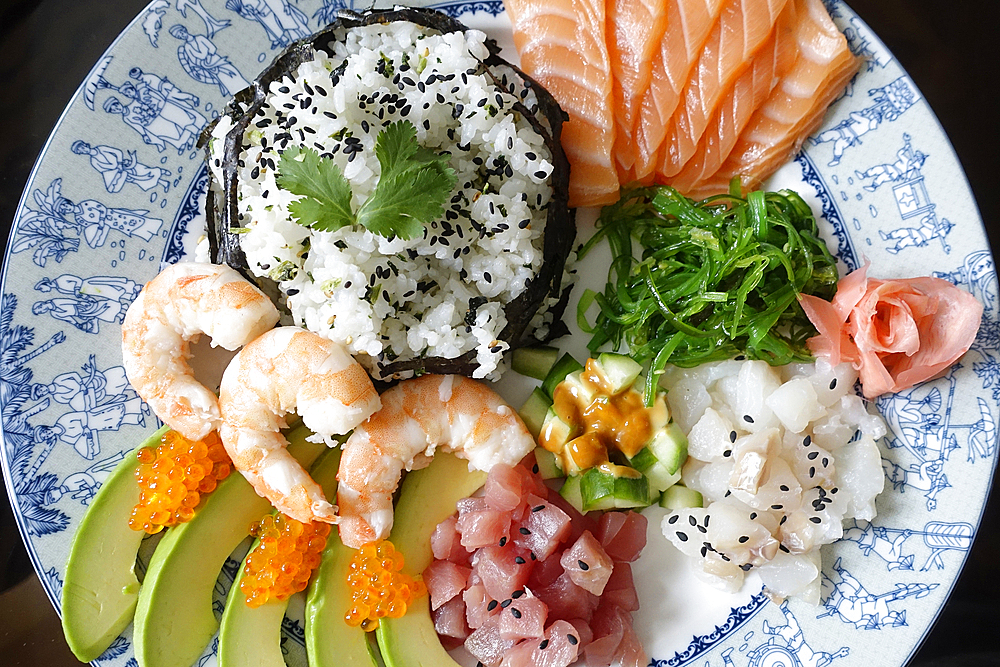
(252, 636)
(100, 588)
(174, 620)
(428, 497)
(329, 639)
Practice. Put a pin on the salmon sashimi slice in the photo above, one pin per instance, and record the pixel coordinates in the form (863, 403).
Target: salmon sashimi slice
(688, 25)
(750, 90)
(635, 33)
(795, 108)
(743, 28)
(563, 46)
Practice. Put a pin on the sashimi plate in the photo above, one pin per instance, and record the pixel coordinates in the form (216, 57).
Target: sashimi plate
(119, 191)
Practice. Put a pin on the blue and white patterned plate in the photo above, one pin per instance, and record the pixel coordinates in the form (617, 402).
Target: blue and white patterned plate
(118, 191)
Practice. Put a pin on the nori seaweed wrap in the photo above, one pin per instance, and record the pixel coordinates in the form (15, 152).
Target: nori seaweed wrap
(545, 118)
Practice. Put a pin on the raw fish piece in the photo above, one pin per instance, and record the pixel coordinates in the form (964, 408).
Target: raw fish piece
(750, 90)
(635, 33)
(795, 108)
(688, 24)
(743, 28)
(563, 46)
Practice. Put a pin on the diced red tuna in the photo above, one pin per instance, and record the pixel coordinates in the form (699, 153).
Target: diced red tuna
(630, 652)
(531, 482)
(608, 625)
(484, 527)
(503, 488)
(583, 632)
(622, 534)
(446, 542)
(445, 580)
(566, 600)
(524, 618)
(449, 619)
(545, 572)
(477, 605)
(543, 528)
(620, 589)
(486, 644)
(502, 570)
(554, 650)
(587, 564)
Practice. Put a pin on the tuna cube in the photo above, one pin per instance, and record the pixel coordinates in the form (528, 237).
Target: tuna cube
(445, 580)
(587, 564)
(620, 589)
(523, 618)
(566, 600)
(543, 528)
(556, 649)
(545, 572)
(449, 619)
(503, 488)
(608, 625)
(502, 570)
(481, 526)
(622, 534)
(446, 542)
(486, 644)
(477, 605)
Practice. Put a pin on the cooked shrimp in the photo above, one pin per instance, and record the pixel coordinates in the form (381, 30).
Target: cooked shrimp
(290, 369)
(184, 301)
(418, 416)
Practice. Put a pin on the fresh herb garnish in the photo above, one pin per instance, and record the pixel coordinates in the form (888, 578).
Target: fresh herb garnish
(716, 278)
(412, 190)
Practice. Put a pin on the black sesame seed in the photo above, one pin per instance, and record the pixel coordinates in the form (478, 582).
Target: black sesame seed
(776, 507)
(534, 468)
(572, 639)
(833, 384)
(746, 567)
(515, 613)
(807, 441)
(524, 531)
(748, 419)
(519, 560)
(544, 644)
(517, 594)
(727, 453)
(540, 174)
(492, 605)
(812, 456)
(583, 566)
(783, 487)
(506, 603)
(784, 548)
(826, 462)
(753, 515)
(744, 539)
(673, 519)
(682, 536)
(503, 540)
(783, 520)
(816, 519)
(533, 556)
(538, 508)
(732, 436)
(812, 472)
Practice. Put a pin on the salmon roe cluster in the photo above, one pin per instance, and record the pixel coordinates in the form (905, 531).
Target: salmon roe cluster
(378, 587)
(173, 476)
(284, 558)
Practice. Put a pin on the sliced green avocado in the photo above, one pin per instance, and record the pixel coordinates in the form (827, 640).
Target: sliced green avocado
(100, 588)
(428, 497)
(174, 620)
(252, 636)
(330, 641)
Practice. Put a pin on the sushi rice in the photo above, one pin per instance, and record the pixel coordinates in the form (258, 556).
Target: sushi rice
(440, 295)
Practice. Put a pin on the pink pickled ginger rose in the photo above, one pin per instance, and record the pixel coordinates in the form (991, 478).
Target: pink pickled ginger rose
(896, 332)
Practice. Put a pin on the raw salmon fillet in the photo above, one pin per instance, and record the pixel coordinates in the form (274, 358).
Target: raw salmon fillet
(688, 24)
(743, 28)
(635, 33)
(750, 90)
(794, 109)
(563, 46)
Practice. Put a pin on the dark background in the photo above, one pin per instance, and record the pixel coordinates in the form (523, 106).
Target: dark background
(949, 48)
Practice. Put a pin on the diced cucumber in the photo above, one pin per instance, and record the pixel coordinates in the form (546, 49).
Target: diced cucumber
(643, 460)
(566, 365)
(534, 362)
(583, 452)
(555, 432)
(610, 486)
(534, 410)
(584, 392)
(669, 445)
(619, 370)
(680, 497)
(548, 464)
(570, 492)
(661, 479)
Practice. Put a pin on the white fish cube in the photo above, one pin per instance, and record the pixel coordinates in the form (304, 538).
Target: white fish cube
(795, 404)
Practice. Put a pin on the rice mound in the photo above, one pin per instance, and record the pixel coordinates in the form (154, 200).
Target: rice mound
(388, 298)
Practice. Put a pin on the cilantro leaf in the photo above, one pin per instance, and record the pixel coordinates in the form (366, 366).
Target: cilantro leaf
(413, 188)
(326, 194)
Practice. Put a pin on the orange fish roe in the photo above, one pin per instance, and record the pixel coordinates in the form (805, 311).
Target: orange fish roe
(174, 476)
(283, 560)
(378, 588)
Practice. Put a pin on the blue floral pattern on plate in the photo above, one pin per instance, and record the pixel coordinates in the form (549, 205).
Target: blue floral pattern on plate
(119, 191)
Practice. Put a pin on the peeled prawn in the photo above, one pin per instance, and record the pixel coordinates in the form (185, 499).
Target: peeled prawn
(418, 416)
(290, 369)
(182, 302)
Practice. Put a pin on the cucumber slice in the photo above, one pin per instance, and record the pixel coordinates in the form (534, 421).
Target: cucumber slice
(570, 492)
(669, 445)
(555, 433)
(619, 370)
(566, 365)
(660, 477)
(533, 411)
(644, 460)
(548, 464)
(534, 362)
(679, 497)
(610, 486)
